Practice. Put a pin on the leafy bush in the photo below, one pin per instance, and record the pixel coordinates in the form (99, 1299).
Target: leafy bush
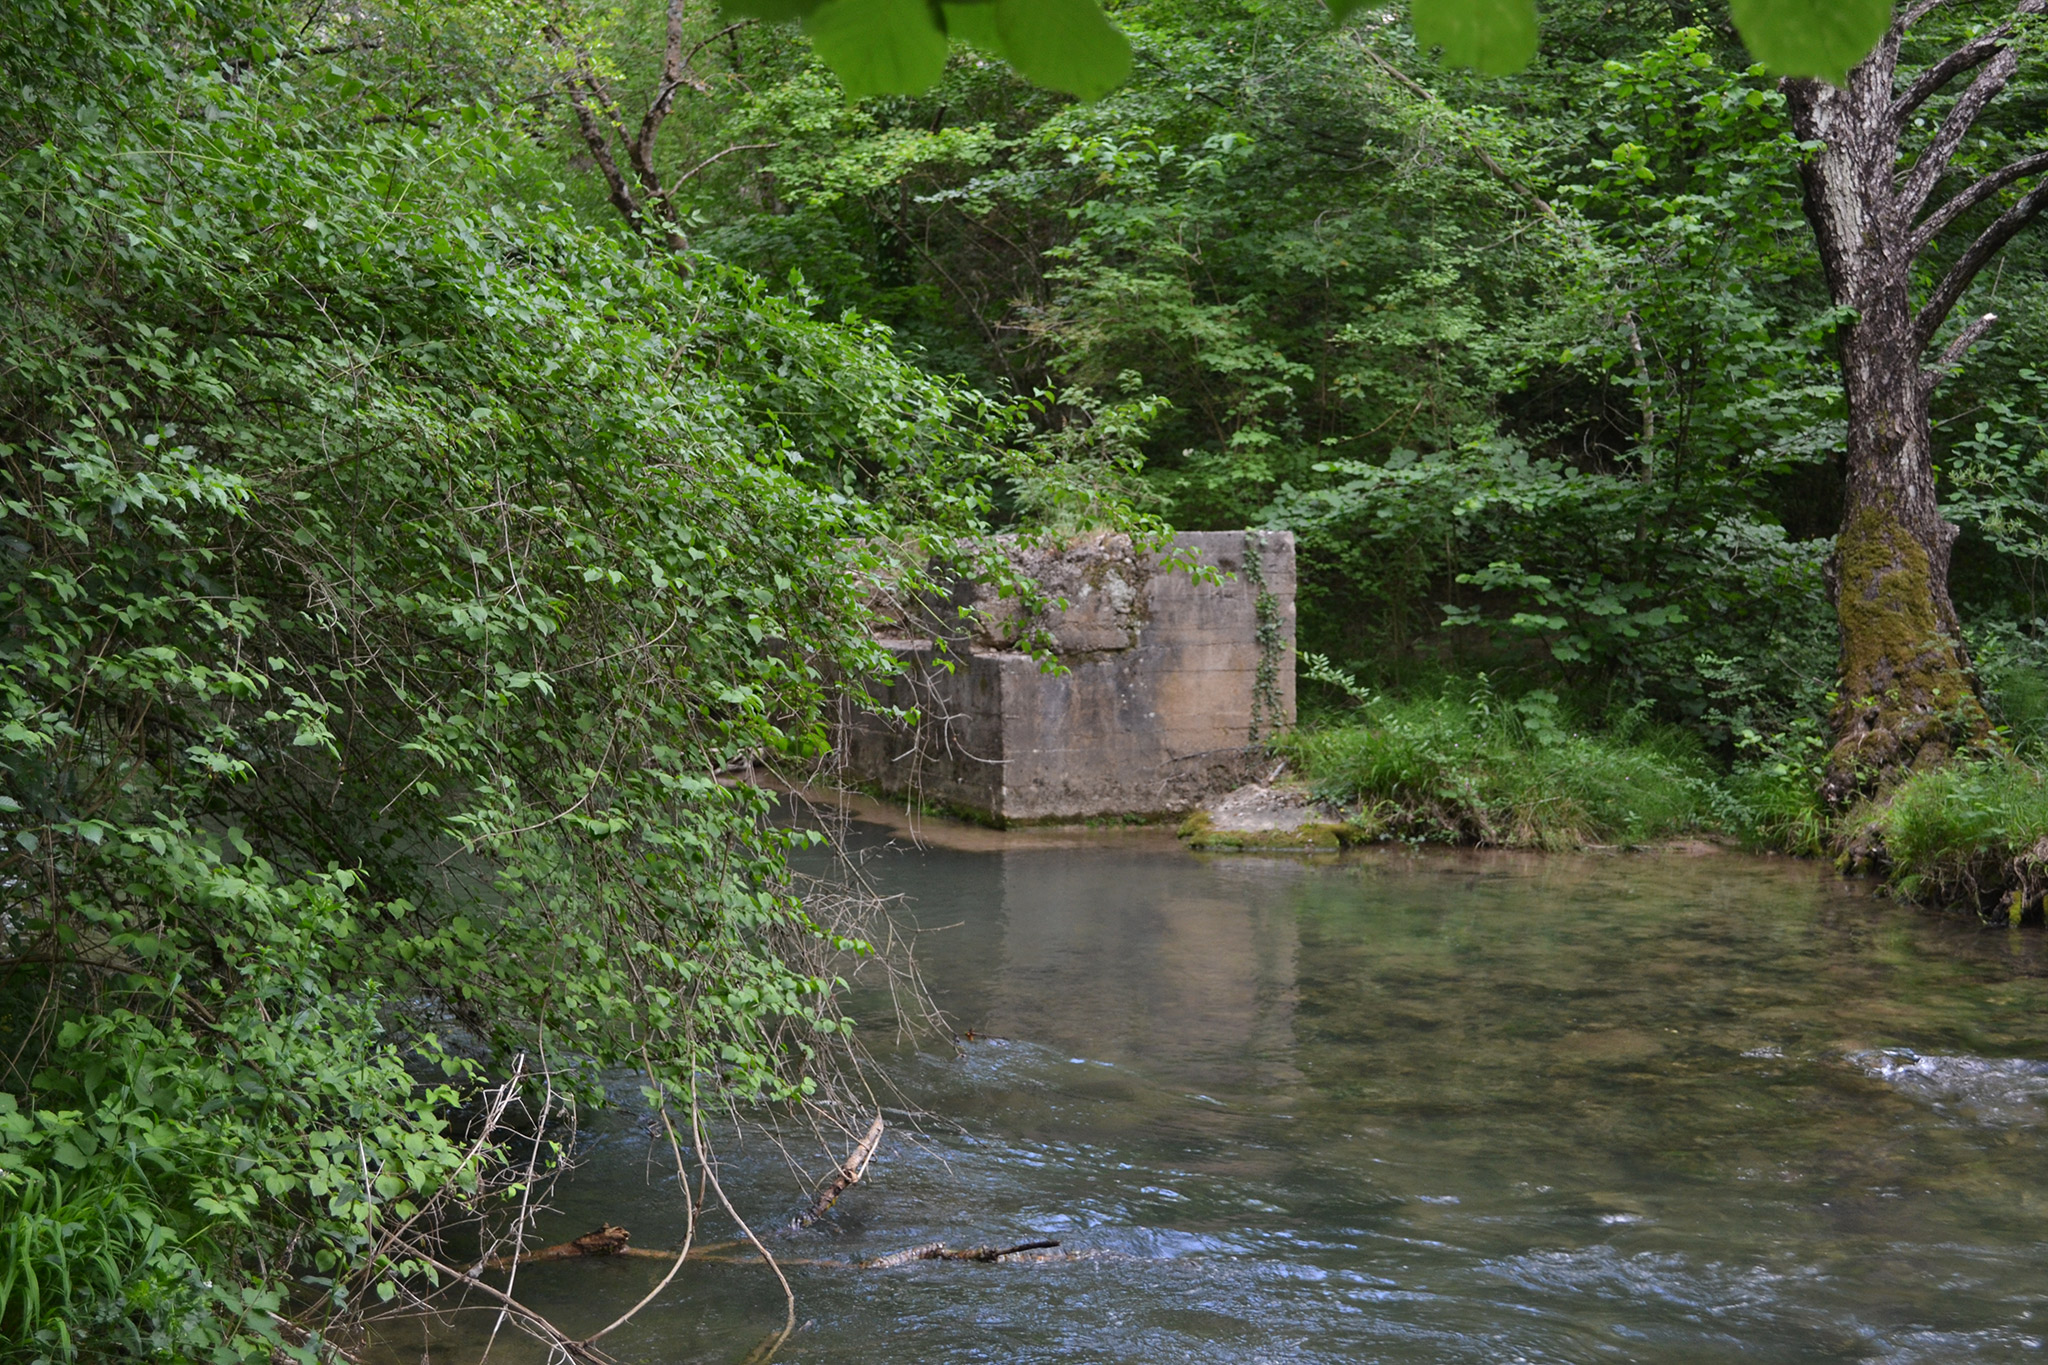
(1773, 795)
(392, 567)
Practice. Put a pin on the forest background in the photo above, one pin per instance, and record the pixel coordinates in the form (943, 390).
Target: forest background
(439, 439)
(1541, 370)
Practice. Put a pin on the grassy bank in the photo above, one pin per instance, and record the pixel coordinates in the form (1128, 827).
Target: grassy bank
(1972, 833)
(1467, 765)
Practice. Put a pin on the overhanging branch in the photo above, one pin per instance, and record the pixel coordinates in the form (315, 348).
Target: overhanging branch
(1946, 294)
(1970, 198)
(1965, 58)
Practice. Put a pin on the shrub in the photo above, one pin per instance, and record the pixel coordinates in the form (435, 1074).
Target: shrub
(1772, 798)
(391, 571)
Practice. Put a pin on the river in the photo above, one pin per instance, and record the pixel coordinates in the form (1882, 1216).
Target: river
(1403, 1106)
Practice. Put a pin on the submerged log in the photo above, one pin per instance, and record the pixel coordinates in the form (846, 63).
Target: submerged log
(939, 1251)
(850, 1171)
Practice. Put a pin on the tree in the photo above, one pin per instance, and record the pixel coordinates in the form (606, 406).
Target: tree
(1883, 212)
(645, 199)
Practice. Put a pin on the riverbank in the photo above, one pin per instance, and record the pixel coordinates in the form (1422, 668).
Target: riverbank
(1468, 767)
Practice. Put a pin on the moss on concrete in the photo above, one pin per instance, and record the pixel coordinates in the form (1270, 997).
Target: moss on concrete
(1203, 832)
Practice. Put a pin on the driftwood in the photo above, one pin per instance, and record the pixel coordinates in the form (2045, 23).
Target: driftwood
(612, 1240)
(609, 1240)
(850, 1171)
(939, 1251)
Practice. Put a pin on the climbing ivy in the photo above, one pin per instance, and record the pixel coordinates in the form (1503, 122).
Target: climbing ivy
(1267, 713)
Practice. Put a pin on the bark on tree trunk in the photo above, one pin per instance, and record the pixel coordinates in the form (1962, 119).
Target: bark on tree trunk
(1907, 693)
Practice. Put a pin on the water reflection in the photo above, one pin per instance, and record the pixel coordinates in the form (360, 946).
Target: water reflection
(1408, 1108)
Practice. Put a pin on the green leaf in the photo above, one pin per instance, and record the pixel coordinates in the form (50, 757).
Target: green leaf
(878, 47)
(1495, 36)
(1064, 45)
(975, 25)
(1811, 37)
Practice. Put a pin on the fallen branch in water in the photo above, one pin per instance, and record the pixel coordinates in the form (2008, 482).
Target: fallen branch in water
(609, 1240)
(939, 1251)
(850, 1171)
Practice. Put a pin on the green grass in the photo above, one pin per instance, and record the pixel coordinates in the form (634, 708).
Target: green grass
(1467, 766)
(1972, 832)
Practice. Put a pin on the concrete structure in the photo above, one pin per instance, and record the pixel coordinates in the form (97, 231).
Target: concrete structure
(1168, 681)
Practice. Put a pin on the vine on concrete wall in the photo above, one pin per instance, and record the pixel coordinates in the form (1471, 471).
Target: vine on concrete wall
(1266, 682)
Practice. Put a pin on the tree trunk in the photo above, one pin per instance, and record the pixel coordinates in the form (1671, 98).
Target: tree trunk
(1907, 695)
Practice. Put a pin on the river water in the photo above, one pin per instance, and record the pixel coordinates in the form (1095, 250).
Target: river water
(1402, 1107)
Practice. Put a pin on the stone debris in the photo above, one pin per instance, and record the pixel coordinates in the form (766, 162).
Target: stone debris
(1274, 814)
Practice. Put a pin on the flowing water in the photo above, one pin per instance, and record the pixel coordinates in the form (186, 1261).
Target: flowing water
(1403, 1107)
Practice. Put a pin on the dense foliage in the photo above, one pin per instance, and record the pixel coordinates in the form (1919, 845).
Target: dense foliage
(1540, 370)
(392, 565)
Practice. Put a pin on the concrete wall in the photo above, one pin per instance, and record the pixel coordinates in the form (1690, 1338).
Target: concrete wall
(1155, 709)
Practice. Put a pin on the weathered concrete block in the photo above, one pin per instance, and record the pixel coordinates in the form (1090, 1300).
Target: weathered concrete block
(1169, 684)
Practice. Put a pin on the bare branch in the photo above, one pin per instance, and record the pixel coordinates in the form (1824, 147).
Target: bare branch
(1969, 337)
(1970, 198)
(643, 171)
(715, 157)
(1950, 290)
(600, 149)
(1912, 15)
(675, 73)
(1919, 181)
(1965, 58)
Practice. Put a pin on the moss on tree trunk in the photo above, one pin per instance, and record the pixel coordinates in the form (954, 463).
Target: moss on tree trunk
(1907, 694)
